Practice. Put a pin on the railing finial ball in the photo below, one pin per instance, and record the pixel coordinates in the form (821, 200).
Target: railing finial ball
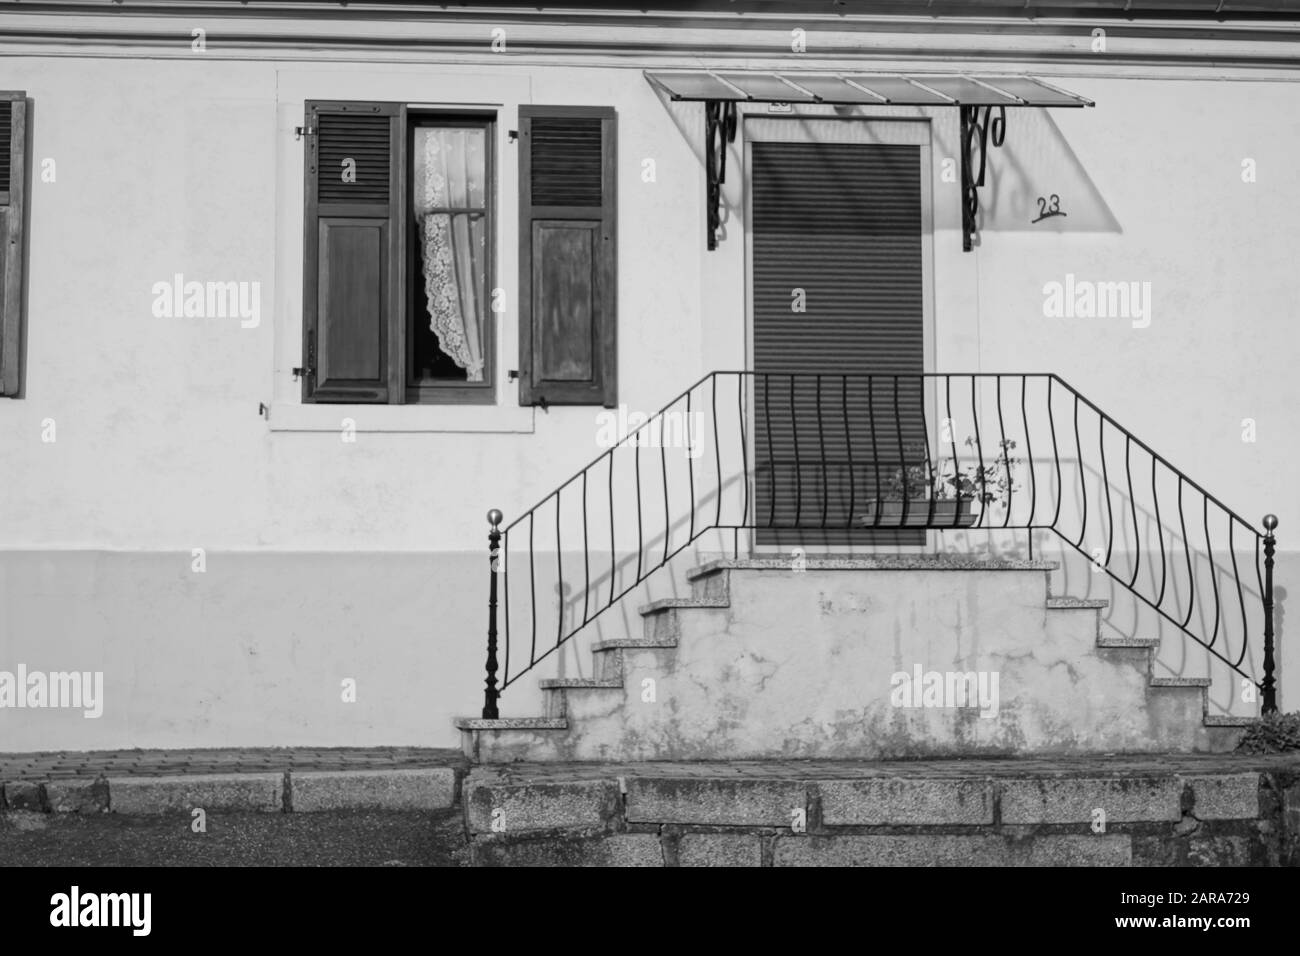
(494, 517)
(1270, 522)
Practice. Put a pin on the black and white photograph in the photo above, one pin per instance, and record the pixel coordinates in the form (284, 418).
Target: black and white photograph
(679, 433)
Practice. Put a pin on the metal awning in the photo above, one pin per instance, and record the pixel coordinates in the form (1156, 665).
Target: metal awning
(863, 89)
(975, 96)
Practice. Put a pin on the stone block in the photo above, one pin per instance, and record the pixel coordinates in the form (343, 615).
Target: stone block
(1130, 799)
(892, 801)
(261, 792)
(431, 788)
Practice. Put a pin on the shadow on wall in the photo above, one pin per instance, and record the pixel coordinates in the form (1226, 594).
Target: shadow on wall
(550, 609)
(1130, 552)
(688, 117)
(1034, 171)
(613, 588)
(1211, 583)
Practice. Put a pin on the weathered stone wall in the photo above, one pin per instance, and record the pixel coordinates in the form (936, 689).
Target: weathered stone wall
(1157, 812)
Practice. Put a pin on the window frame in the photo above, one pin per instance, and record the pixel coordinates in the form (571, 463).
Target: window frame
(452, 392)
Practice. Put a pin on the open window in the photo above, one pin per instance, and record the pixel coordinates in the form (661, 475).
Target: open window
(401, 302)
(398, 250)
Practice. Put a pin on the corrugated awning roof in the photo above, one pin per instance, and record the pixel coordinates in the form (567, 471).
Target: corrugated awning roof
(863, 89)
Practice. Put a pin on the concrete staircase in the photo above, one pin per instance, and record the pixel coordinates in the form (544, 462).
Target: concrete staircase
(863, 659)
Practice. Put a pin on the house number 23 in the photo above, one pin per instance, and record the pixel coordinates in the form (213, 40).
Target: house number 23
(1051, 206)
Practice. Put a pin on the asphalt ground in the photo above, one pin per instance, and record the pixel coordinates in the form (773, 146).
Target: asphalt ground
(339, 838)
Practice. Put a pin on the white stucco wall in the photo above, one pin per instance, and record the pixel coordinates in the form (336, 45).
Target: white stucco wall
(189, 165)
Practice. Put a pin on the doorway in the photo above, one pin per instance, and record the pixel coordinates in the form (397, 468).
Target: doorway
(839, 260)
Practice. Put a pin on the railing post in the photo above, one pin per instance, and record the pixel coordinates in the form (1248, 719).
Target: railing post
(494, 548)
(1269, 684)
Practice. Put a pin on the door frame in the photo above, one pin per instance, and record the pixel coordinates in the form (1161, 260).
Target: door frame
(803, 124)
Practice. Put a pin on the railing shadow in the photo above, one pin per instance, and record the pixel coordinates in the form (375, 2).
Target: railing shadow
(1082, 577)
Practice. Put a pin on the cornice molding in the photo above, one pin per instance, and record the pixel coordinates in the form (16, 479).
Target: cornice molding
(760, 46)
(814, 14)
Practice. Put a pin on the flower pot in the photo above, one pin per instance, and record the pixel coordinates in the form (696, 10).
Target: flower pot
(921, 513)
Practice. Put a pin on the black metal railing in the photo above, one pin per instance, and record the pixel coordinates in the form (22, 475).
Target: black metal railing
(872, 459)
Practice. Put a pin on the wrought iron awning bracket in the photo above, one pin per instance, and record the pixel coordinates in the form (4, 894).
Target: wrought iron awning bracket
(719, 132)
(979, 126)
(975, 135)
(720, 92)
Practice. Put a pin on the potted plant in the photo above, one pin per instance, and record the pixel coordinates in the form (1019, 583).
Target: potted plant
(922, 494)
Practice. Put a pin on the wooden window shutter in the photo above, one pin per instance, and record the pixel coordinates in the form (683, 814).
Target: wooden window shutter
(567, 200)
(13, 198)
(354, 227)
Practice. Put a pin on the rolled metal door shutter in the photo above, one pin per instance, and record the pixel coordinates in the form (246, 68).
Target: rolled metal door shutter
(836, 229)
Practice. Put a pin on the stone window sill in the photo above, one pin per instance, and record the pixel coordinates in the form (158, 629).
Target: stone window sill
(295, 417)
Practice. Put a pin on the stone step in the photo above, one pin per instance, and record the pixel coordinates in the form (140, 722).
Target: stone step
(556, 692)
(673, 604)
(511, 723)
(611, 657)
(1229, 720)
(575, 683)
(620, 643)
(884, 562)
(1153, 642)
(511, 738)
(1074, 623)
(1141, 652)
(1068, 603)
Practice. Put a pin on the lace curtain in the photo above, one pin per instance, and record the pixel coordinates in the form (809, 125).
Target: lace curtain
(450, 209)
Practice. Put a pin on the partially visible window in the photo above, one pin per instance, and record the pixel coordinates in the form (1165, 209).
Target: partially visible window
(13, 194)
(451, 345)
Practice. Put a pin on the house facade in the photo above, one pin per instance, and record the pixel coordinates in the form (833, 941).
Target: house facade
(296, 293)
